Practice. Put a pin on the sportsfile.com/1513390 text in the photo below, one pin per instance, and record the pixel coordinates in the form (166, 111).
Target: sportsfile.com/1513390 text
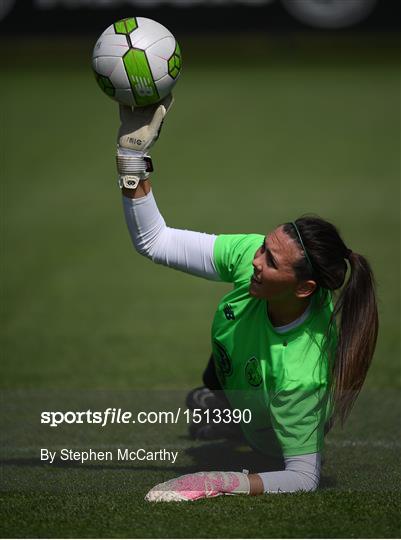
(114, 415)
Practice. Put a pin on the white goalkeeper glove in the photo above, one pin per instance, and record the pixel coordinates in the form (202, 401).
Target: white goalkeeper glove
(192, 487)
(139, 130)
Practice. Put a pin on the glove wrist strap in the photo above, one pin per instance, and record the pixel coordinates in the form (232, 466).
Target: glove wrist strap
(132, 167)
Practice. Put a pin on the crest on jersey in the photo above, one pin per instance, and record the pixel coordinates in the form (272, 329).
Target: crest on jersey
(253, 372)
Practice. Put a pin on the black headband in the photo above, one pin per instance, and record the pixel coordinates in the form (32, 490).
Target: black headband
(302, 244)
(347, 255)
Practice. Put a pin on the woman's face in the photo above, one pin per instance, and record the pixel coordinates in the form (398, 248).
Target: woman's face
(274, 277)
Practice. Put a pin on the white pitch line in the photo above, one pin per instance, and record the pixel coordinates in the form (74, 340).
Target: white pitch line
(347, 443)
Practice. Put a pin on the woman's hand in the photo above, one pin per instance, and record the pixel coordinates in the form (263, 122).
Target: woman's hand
(192, 487)
(140, 126)
(139, 130)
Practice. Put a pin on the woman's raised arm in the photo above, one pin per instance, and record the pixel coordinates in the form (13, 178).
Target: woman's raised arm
(188, 251)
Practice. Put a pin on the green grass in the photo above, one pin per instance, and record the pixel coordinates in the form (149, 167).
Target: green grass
(252, 141)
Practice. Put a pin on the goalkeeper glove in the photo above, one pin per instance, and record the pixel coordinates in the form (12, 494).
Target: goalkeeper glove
(192, 487)
(139, 130)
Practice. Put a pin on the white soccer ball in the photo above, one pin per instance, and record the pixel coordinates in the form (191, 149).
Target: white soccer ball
(136, 61)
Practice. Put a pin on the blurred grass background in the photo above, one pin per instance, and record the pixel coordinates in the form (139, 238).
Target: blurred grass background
(262, 131)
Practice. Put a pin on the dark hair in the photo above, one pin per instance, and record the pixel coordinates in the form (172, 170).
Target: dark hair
(354, 319)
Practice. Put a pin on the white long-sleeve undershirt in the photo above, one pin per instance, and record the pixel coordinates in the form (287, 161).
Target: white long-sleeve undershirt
(192, 252)
(188, 251)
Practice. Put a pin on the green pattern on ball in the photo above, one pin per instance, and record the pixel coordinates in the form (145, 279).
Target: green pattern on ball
(140, 77)
(125, 26)
(174, 62)
(105, 84)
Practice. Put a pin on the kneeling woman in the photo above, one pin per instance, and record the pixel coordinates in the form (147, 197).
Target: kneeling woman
(280, 347)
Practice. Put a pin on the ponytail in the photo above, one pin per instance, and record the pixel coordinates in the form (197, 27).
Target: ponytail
(356, 313)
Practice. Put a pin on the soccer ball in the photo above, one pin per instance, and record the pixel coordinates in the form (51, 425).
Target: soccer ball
(136, 61)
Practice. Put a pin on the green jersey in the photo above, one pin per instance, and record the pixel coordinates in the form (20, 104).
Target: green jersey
(282, 378)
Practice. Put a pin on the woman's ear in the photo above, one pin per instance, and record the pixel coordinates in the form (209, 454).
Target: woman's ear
(305, 288)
